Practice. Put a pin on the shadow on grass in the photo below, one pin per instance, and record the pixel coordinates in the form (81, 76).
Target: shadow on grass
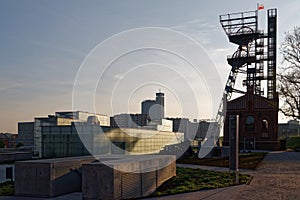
(190, 180)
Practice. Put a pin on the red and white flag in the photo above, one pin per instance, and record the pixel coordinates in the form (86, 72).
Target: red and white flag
(260, 7)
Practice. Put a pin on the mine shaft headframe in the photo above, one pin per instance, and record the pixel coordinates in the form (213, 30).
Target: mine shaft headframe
(242, 27)
(272, 52)
(252, 53)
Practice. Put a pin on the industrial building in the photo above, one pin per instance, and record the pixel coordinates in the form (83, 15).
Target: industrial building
(255, 58)
(129, 120)
(291, 128)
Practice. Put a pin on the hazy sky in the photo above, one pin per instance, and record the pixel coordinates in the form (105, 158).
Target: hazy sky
(44, 43)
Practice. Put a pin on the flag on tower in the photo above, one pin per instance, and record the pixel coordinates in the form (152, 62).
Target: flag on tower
(260, 7)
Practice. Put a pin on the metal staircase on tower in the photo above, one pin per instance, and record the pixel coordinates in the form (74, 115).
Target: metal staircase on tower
(255, 58)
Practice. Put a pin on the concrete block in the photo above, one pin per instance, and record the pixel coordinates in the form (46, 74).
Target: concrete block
(127, 177)
(49, 177)
(114, 177)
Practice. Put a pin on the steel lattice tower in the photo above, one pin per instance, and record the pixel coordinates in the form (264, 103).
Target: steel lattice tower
(255, 57)
(256, 50)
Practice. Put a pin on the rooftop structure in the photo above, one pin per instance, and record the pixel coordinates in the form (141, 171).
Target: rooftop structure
(256, 50)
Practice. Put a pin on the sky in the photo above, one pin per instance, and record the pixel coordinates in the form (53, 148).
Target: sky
(108, 56)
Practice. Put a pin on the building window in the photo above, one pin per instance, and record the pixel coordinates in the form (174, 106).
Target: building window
(249, 125)
(265, 128)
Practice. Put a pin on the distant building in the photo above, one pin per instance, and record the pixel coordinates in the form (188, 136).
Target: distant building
(160, 100)
(161, 125)
(291, 128)
(26, 133)
(192, 130)
(60, 119)
(146, 106)
(129, 120)
(181, 125)
(9, 140)
(4, 140)
(155, 109)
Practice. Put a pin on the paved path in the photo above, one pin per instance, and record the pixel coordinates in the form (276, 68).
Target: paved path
(213, 168)
(278, 178)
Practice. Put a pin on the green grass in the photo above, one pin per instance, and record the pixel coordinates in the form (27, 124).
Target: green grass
(246, 161)
(7, 188)
(293, 143)
(189, 180)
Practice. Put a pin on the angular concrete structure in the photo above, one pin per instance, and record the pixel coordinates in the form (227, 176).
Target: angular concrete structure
(129, 177)
(113, 177)
(49, 177)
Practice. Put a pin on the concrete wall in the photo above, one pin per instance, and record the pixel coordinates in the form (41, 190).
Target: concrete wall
(49, 177)
(15, 156)
(132, 177)
(114, 177)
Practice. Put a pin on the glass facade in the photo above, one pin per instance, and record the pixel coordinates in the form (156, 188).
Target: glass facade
(65, 141)
(61, 142)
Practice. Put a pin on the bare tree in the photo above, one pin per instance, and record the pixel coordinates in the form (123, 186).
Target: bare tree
(289, 77)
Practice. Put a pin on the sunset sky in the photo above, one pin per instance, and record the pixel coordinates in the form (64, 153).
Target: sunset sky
(46, 46)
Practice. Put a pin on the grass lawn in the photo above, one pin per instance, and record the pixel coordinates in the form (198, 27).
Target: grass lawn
(7, 188)
(246, 161)
(293, 143)
(188, 180)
